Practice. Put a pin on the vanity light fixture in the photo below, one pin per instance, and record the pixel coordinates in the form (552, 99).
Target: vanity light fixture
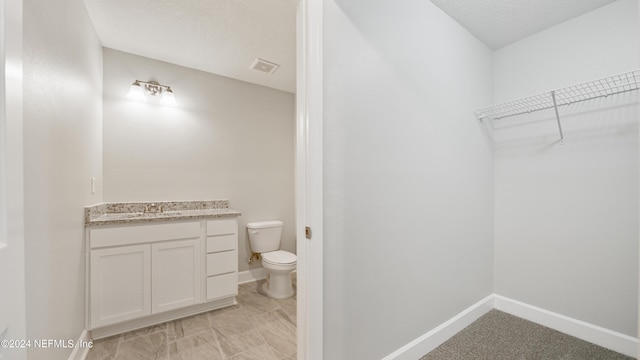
(136, 92)
(139, 87)
(168, 98)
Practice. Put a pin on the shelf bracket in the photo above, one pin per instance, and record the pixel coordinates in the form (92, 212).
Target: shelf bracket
(555, 107)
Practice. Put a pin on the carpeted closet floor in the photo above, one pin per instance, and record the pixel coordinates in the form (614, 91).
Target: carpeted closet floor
(501, 336)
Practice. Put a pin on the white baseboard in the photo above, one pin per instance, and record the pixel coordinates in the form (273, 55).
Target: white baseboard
(431, 340)
(82, 349)
(606, 338)
(251, 275)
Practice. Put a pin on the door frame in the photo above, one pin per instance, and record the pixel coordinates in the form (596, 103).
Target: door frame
(308, 179)
(12, 252)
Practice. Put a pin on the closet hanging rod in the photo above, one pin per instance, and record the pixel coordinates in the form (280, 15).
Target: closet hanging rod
(589, 90)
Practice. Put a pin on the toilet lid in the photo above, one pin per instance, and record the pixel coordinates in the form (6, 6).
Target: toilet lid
(279, 257)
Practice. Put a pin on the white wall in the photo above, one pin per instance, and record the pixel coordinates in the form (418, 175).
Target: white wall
(62, 151)
(600, 43)
(226, 139)
(408, 174)
(566, 216)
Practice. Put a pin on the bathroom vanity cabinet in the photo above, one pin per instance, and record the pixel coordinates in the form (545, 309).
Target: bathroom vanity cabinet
(145, 273)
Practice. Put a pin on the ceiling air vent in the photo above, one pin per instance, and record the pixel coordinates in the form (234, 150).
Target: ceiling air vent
(264, 66)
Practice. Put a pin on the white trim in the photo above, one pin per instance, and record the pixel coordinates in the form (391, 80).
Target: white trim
(12, 257)
(308, 182)
(300, 180)
(81, 352)
(582, 330)
(432, 339)
(638, 302)
(251, 275)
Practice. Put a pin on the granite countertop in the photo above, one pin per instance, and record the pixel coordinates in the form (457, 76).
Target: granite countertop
(134, 212)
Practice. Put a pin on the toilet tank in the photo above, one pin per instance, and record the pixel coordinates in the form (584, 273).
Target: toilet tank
(264, 236)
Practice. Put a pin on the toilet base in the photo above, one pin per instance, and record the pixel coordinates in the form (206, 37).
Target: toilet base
(279, 285)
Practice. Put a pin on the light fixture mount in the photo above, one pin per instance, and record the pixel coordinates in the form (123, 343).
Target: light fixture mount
(152, 88)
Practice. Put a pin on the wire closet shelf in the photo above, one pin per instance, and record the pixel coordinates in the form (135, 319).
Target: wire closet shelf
(589, 90)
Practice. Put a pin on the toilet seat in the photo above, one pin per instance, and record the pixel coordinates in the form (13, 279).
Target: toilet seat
(279, 257)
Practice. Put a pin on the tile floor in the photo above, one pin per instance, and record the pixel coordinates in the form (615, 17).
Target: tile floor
(258, 328)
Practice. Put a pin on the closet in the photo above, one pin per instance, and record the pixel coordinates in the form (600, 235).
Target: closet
(566, 171)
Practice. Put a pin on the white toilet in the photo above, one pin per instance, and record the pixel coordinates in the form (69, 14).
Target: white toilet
(264, 238)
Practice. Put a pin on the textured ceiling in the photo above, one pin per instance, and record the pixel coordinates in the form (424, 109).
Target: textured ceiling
(500, 22)
(218, 36)
(225, 37)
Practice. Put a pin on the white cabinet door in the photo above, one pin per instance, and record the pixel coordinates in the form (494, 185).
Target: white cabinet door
(120, 284)
(176, 274)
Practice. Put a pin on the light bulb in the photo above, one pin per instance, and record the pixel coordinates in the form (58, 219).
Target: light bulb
(168, 98)
(136, 92)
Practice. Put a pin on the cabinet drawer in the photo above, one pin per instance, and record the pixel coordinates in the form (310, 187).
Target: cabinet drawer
(137, 234)
(222, 243)
(222, 285)
(222, 227)
(222, 262)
